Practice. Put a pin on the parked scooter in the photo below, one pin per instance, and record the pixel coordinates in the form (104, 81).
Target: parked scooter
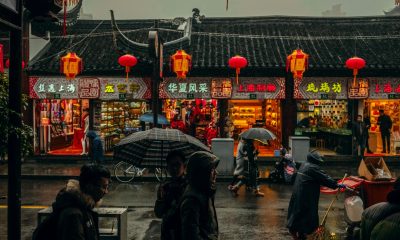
(285, 169)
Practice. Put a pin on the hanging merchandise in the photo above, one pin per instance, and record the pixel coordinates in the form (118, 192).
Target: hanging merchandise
(297, 62)
(237, 62)
(71, 65)
(355, 63)
(127, 61)
(181, 63)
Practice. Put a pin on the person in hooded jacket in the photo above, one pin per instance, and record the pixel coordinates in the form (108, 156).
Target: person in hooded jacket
(303, 216)
(96, 149)
(381, 221)
(75, 203)
(198, 216)
(169, 196)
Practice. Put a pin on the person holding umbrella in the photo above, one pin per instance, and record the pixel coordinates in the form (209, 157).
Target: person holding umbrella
(303, 216)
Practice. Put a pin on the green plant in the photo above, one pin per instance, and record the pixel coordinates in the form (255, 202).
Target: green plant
(24, 132)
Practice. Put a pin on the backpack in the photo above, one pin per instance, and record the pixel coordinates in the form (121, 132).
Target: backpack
(47, 230)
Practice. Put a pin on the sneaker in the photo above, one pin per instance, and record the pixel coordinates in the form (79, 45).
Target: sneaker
(230, 187)
(234, 190)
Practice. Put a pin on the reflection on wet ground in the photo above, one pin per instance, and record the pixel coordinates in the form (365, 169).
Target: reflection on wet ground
(243, 217)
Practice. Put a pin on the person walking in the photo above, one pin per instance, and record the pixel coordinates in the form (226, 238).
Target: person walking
(169, 195)
(197, 210)
(252, 154)
(74, 218)
(360, 135)
(239, 177)
(96, 149)
(385, 124)
(303, 218)
(367, 122)
(381, 221)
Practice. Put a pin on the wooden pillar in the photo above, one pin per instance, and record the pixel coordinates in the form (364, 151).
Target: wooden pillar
(223, 113)
(289, 112)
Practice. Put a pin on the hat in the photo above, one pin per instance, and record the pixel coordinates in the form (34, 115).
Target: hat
(394, 195)
(314, 156)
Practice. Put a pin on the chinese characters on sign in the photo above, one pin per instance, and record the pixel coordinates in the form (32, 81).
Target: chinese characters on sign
(262, 87)
(259, 88)
(89, 88)
(118, 88)
(384, 88)
(195, 87)
(321, 88)
(52, 87)
(360, 90)
(221, 88)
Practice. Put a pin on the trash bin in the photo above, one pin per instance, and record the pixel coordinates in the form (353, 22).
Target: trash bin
(223, 149)
(299, 148)
(373, 192)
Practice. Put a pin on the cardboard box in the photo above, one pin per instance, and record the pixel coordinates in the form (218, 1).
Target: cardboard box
(370, 167)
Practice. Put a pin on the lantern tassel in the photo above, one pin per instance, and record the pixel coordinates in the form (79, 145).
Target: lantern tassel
(237, 75)
(127, 69)
(355, 72)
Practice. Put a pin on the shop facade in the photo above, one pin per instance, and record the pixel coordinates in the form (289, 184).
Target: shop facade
(65, 110)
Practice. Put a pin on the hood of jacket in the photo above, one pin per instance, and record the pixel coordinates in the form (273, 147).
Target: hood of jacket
(199, 171)
(91, 134)
(72, 196)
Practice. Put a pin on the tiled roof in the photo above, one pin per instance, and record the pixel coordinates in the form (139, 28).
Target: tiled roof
(264, 41)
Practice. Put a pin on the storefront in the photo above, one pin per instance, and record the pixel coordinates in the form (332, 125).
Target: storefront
(323, 114)
(63, 110)
(384, 94)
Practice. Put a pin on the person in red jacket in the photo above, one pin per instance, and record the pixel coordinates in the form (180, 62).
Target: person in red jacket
(212, 132)
(177, 123)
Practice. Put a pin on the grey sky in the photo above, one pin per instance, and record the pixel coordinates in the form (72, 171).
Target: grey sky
(139, 9)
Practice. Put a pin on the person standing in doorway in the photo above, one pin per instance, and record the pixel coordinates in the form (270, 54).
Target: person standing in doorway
(360, 134)
(367, 122)
(385, 124)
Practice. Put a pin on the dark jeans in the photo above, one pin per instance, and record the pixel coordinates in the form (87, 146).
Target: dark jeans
(385, 141)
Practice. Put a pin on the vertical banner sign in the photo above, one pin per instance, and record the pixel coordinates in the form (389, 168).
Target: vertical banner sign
(1, 59)
(360, 90)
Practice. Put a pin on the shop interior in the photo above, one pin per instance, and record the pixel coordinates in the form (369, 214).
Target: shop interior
(326, 123)
(245, 114)
(60, 125)
(199, 122)
(392, 109)
(114, 120)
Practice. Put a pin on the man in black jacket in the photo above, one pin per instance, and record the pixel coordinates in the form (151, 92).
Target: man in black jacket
(75, 203)
(360, 135)
(303, 216)
(198, 215)
(385, 124)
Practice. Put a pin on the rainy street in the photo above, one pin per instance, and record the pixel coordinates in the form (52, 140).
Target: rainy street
(244, 217)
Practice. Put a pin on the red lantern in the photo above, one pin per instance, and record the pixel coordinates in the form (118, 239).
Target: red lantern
(71, 65)
(127, 61)
(237, 62)
(180, 63)
(297, 62)
(355, 63)
(8, 64)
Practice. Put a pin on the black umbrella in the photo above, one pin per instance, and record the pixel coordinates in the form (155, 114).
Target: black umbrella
(149, 148)
(260, 134)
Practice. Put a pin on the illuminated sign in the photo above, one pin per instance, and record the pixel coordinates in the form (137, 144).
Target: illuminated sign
(259, 88)
(118, 88)
(359, 91)
(189, 88)
(320, 88)
(221, 88)
(384, 88)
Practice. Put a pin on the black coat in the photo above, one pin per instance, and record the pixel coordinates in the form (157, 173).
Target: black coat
(303, 207)
(385, 123)
(360, 132)
(77, 220)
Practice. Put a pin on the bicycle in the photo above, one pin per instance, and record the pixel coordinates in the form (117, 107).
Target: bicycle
(125, 172)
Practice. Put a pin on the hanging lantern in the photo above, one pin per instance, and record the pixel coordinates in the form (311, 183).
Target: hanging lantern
(181, 63)
(237, 62)
(297, 62)
(355, 63)
(7, 65)
(71, 65)
(127, 61)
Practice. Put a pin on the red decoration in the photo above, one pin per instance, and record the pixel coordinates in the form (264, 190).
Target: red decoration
(355, 63)
(127, 61)
(181, 63)
(8, 64)
(71, 65)
(297, 62)
(1, 59)
(237, 62)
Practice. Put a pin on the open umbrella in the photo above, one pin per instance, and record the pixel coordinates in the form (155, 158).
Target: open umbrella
(260, 134)
(148, 117)
(149, 148)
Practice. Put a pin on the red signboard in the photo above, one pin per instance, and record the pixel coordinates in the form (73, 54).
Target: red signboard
(221, 88)
(89, 88)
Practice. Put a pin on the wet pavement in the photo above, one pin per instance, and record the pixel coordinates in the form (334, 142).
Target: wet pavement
(244, 217)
